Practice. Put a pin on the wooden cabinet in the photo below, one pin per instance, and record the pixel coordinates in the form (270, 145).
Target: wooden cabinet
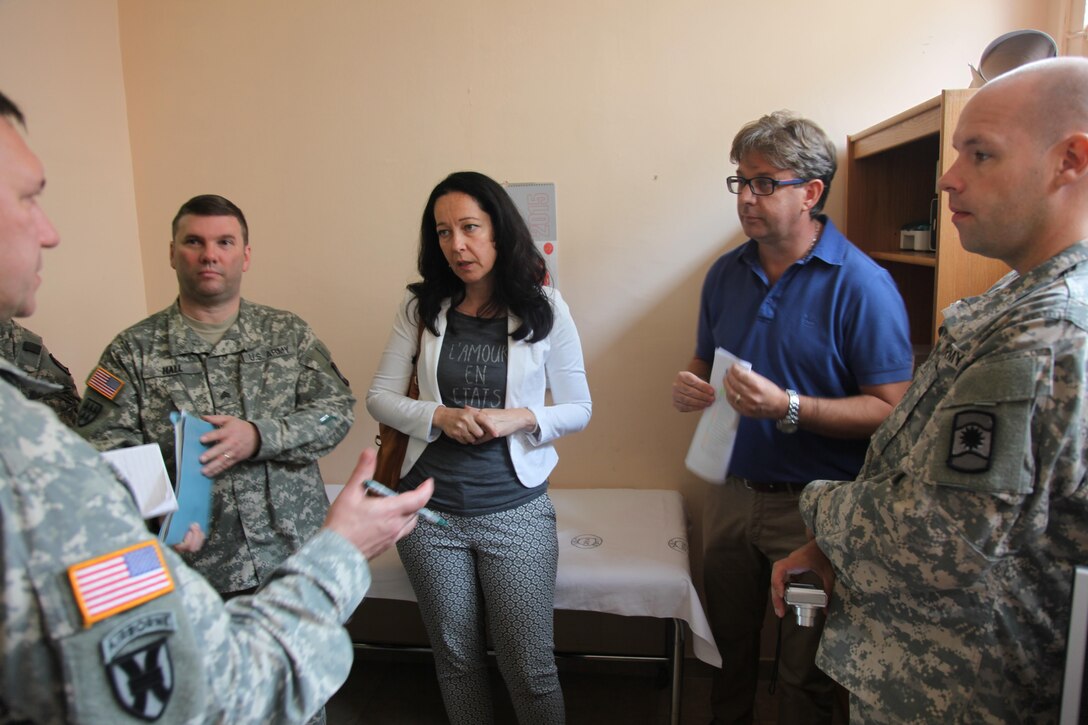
(892, 178)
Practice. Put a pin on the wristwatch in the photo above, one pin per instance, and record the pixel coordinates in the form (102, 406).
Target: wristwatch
(789, 423)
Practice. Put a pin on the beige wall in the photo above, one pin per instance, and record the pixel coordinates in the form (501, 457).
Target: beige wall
(61, 63)
(328, 122)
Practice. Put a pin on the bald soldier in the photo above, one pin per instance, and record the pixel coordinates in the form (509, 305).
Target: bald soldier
(259, 374)
(100, 624)
(954, 549)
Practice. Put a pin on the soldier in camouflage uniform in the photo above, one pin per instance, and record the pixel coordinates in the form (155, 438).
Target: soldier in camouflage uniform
(259, 374)
(172, 652)
(53, 384)
(954, 549)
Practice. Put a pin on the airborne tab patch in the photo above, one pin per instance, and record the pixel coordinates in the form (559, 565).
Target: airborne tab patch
(141, 677)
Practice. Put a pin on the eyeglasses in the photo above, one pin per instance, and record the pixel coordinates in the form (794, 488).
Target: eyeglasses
(760, 185)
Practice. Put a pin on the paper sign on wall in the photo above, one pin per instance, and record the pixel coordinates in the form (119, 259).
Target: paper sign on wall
(536, 202)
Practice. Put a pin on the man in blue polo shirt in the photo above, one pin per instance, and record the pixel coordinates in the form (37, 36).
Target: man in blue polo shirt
(827, 335)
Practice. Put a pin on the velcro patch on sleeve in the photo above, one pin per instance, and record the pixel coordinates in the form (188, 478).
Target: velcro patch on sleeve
(105, 383)
(118, 581)
(971, 447)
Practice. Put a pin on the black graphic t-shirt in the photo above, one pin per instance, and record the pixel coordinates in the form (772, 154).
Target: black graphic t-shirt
(472, 479)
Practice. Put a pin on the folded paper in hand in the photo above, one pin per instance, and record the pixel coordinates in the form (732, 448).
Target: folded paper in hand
(712, 445)
(194, 489)
(143, 471)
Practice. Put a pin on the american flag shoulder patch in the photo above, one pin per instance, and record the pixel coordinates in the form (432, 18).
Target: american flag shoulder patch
(110, 584)
(105, 383)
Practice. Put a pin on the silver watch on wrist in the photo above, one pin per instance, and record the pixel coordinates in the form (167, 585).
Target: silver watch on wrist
(789, 423)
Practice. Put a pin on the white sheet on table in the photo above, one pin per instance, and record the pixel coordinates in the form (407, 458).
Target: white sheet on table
(621, 551)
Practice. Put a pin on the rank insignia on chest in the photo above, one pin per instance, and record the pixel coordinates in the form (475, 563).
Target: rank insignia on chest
(105, 383)
(971, 447)
(114, 583)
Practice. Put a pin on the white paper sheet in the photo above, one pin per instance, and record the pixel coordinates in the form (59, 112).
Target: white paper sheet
(144, 472)
(712, 445)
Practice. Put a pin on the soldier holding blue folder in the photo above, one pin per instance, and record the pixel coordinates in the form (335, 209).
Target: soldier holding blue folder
(259, 375)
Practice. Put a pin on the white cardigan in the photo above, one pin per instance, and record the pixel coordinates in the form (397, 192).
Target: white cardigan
(553, 363)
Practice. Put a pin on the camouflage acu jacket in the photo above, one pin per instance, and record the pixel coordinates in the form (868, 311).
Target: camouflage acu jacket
(172, 652)
(25, 350)
(269, 369)
(955, 546)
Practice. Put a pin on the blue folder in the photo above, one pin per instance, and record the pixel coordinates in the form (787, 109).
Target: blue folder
(193, 489)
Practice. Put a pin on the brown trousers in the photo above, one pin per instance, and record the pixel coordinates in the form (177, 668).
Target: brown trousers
(744, 533)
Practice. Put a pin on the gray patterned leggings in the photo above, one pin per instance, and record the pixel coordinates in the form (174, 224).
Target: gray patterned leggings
(499, 569)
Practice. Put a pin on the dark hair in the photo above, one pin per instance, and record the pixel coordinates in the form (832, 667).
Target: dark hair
(519, 271)
(210, 205)
(790, 142)
(8, 109)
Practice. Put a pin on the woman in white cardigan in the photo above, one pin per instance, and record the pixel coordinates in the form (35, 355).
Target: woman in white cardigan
(492, 339)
